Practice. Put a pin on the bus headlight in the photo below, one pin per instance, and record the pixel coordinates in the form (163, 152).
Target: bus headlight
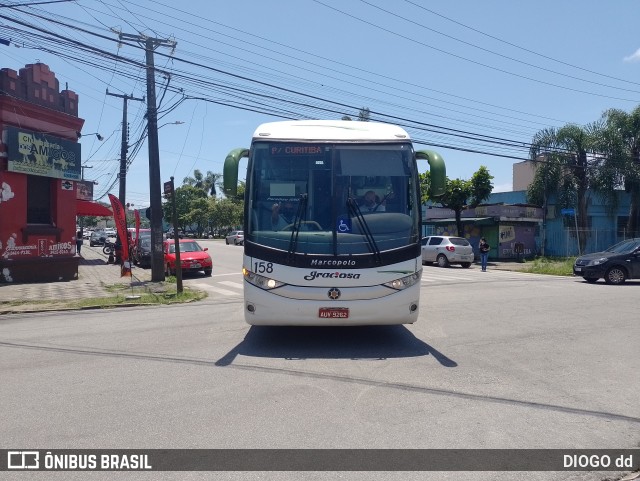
(262, 282)
(404, 282)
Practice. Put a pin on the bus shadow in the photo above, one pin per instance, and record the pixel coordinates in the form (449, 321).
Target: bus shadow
(362, 342)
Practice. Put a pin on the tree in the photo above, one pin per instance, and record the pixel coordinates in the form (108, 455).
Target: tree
(364, 115)
(570, 149)
(186, 197)
(198, 214)
(620, 144)
(212, 181)
(196, 181)
(461, 194)
(206, 183)
(225, 213)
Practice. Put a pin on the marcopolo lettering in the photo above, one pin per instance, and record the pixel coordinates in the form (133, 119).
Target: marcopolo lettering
(333, 263)
(330, 275)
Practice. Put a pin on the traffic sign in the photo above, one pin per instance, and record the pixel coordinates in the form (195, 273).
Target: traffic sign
(568, 211)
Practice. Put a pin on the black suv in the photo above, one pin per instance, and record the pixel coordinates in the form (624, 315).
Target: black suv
(617, 264)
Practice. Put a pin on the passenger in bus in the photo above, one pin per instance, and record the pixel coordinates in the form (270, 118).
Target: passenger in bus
(282, 214)
(371, 203)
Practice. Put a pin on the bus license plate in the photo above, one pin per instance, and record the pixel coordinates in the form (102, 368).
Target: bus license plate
(334, 313)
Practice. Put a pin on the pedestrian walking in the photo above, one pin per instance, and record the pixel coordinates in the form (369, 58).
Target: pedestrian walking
(79, 242)
(484, 253)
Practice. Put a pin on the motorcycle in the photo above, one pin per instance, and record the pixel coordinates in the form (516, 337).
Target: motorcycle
(109, 248)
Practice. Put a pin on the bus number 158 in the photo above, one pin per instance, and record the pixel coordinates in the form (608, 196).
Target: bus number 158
(262, 267)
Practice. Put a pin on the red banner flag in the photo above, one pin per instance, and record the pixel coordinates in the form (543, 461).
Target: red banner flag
(120, 218)
(136, 214)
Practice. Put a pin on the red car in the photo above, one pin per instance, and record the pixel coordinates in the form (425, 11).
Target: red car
(192, 257)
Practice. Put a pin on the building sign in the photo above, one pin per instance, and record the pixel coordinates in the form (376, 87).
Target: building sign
(507, 233)
(40, 154)
(84, 191)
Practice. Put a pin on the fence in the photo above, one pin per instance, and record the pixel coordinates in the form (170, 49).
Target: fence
(565, 243)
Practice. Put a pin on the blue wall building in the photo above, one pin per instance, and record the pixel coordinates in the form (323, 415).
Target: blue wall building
(605, 227)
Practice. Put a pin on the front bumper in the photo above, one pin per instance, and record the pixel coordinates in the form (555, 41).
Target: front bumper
(266, 308)
(593, 272)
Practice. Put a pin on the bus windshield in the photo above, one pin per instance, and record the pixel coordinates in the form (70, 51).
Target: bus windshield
(332, 198)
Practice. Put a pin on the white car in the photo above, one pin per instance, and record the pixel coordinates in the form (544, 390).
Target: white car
(446, 250)
(235, 237)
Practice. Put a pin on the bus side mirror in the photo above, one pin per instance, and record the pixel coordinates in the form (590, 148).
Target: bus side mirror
(230, 171)
(438, 171)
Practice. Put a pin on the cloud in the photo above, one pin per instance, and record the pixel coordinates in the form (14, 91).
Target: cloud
(633, 58)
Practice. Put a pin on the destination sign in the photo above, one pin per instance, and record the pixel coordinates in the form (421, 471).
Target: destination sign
(297, 150)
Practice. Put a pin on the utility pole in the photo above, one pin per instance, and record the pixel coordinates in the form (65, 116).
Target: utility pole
(124, 147)
(155, 192)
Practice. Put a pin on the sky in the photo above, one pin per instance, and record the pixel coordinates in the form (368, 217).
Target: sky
(474, 81)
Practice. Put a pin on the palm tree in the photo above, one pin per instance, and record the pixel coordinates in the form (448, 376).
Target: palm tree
(621, 143)
(212, 180)
(569, 151)
(195, 181)
(207, 182)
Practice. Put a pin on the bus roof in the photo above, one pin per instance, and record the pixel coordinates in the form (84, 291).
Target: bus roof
(329, 130)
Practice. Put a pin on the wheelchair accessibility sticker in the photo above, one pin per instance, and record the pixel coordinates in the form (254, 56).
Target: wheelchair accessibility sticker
(344, 225)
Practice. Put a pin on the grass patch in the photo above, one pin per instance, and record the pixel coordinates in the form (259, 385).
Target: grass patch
(554, 266)
(166, 295)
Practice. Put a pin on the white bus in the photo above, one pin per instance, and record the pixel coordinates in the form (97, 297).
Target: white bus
(332, 223)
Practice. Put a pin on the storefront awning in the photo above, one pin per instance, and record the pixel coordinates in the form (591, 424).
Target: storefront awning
(85, 207)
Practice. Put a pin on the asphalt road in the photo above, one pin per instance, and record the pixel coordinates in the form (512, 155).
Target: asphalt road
(497, 360)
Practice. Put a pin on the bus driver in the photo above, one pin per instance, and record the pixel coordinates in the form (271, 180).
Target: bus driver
(282, 215)
(371, 203)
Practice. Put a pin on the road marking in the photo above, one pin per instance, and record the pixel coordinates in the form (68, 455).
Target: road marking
(492, 275)
(236, 285)
(217, 290)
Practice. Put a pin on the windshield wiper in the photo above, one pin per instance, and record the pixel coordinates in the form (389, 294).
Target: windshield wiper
(295, 230)
(354, 209)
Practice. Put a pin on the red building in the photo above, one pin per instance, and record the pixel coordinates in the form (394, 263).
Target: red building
(40, 164)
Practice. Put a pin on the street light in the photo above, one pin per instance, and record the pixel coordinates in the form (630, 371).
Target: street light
(177, 122)
(100, 137)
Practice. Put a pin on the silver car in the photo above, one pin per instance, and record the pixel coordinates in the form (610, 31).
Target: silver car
(446, 250)
(235, 237)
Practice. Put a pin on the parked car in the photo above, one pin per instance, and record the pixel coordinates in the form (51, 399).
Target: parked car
(616, 264)
(193, 257)
(142, 250)
(97, 238)
(446, 250)
(169, 234)
(235, 237)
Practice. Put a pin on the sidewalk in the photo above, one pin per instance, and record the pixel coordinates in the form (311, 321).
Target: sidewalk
(94, 274)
